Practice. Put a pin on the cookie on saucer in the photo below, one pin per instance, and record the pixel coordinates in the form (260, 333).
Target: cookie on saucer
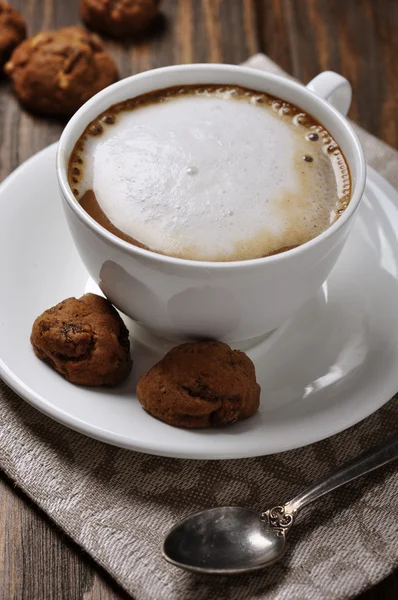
(118, 18)
(12, 31)
(55, 72)
(85, 340)
(201, 384)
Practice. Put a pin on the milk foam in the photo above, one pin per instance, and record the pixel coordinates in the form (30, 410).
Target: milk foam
(210, 177)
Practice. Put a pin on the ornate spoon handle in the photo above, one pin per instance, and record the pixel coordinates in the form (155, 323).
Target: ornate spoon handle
(282, 517)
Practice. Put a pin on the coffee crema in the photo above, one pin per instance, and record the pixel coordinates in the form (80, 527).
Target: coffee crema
(210, 172)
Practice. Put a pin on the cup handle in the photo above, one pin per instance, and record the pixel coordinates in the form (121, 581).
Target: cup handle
(333, 88)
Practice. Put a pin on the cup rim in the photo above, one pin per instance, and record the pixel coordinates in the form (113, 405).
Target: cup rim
(135, 251)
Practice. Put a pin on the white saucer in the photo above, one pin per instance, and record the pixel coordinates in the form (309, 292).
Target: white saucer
(335, 363)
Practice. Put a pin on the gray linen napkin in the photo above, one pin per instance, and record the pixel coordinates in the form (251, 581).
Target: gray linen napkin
(118, 504)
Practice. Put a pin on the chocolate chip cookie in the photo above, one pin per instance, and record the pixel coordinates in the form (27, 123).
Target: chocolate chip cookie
(85, 340)
(201, 384)
(118, 18)
(55, 72)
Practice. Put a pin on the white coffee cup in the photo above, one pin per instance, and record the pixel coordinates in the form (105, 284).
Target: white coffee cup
(232, 301)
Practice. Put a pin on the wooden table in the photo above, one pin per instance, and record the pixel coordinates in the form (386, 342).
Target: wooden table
(357, 38)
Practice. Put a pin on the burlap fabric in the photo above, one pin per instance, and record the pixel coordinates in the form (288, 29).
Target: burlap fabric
(118, 504)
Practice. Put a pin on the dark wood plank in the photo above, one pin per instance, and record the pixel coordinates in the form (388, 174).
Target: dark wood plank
(37, 561)
(274, 35)
(356, 37)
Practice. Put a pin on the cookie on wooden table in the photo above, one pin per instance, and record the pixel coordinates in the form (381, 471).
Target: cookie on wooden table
(119, 18)
(55, 72)
(201, 384)
(12, 31)
(85, 340)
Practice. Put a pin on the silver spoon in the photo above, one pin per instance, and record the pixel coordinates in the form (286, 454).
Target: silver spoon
(231, 539)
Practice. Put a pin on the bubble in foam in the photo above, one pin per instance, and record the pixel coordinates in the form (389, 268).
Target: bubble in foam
(299, 119)
(95, 129)
(109, 119)
(313, 137)
(192, 170)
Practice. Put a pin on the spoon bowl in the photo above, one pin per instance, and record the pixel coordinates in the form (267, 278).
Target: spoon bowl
(224, 540)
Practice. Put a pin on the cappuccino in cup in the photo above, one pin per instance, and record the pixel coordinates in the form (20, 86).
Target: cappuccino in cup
(210, 173)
